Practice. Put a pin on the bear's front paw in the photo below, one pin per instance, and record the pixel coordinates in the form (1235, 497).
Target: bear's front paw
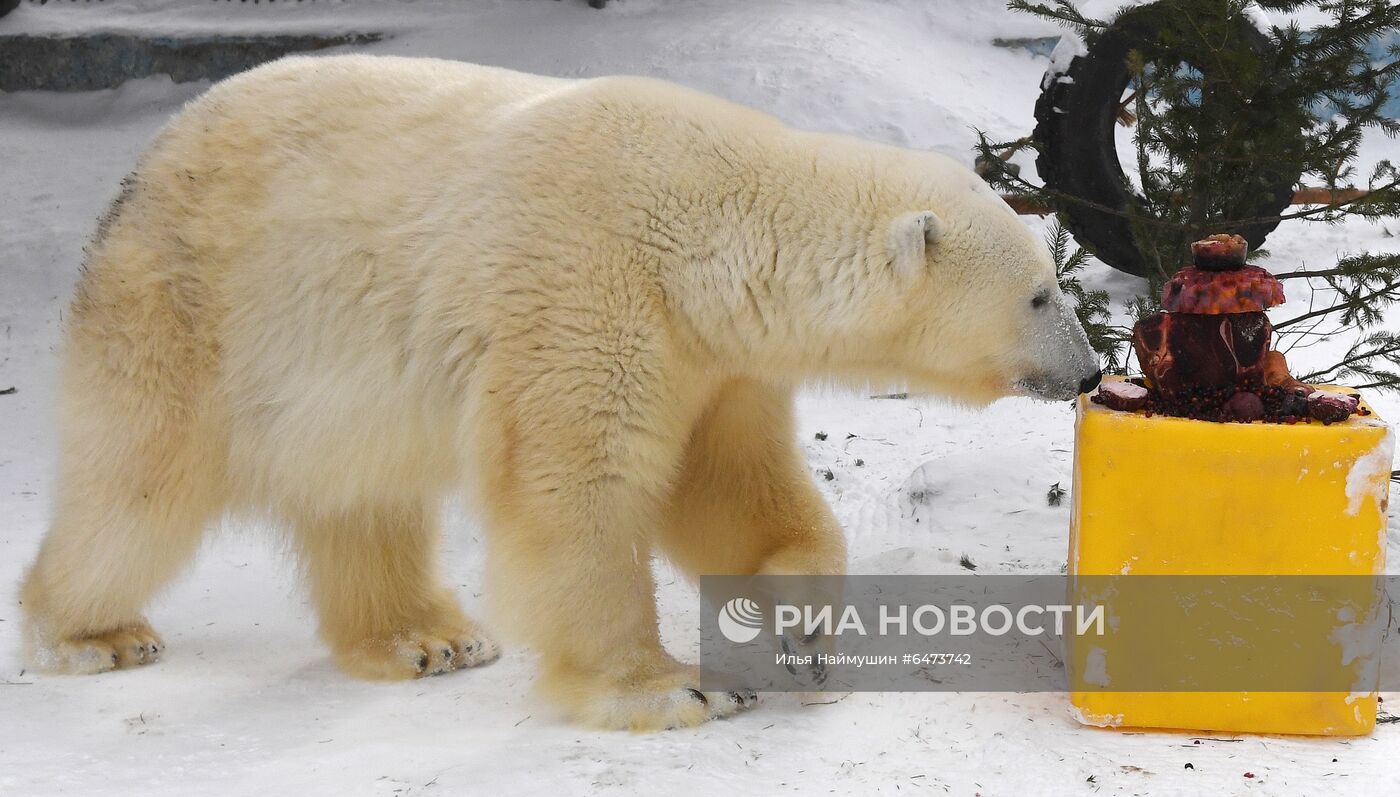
(130, 646)
(414, 654)
(658, 702)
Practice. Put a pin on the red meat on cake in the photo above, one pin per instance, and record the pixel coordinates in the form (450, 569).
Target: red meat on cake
(1180, 350)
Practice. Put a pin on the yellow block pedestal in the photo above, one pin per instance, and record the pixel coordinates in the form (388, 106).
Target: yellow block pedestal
(1173, 497)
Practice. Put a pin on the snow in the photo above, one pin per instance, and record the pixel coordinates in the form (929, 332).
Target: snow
(1362, 482)
(246, 700)
(1096, 667)
(1259, 18)
(1066, 50)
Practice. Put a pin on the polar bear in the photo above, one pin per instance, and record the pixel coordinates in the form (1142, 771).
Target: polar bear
(337, 289)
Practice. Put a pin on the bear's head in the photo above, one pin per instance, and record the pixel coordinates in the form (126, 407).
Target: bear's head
(975, 309)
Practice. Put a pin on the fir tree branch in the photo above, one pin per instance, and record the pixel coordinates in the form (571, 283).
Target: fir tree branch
(1348, 362)
(1340, 307)
(1064, 12)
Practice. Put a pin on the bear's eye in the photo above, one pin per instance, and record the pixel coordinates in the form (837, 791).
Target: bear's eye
(1041, 299)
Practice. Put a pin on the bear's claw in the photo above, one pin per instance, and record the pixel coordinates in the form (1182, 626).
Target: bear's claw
(720, 704)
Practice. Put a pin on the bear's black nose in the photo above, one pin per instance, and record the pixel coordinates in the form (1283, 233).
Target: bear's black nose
(1089, 383)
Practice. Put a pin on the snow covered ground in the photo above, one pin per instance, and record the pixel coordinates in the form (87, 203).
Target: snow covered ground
(247, 702)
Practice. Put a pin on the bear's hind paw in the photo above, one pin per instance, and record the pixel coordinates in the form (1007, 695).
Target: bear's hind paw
(123, 648)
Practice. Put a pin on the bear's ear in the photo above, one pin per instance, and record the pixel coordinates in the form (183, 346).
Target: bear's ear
(909, 234)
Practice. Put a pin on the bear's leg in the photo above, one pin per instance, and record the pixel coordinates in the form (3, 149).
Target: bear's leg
(143, 445)
(136, 487)
(383, 607)
(573, 574)
(575, 473)
(744, 502)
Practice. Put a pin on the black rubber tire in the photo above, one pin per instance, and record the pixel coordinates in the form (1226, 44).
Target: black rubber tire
(6, 6)
(1075, 136)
